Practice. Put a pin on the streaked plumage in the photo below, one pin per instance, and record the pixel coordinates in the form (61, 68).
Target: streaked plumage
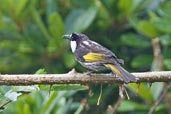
(96, 57)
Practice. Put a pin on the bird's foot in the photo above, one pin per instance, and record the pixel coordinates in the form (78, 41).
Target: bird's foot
(89, 73)
(113, 74)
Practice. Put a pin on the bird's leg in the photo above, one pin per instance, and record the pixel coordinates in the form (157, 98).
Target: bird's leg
(113, 74)
(89, 72)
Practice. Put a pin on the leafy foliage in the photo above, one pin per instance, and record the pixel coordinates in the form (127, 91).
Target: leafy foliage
(31, 38)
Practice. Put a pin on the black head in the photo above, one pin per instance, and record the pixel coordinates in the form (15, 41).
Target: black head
(76, 37)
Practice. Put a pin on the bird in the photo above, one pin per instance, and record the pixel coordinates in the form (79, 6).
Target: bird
(96, 57)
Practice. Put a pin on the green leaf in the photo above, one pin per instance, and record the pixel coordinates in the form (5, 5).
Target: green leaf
(125, 6)
(79, 20)
(56, 25)
(134, 40)
(143, 91)
(79, 110)
(145, 27)
(156, 89)
(56, 100)
(56, 28)
(12, 95)
(167, 63)
(50, 102)
(69, 60)
(165, 10)
(14, 63)
(62, 87)
(18, 90)
(130, 106)
(39, 22)
(51, 7)
(165, 40)
(163, 24)
(148, 29)
(25, 88)
(142, 61)
(41, 71)
(20, 6)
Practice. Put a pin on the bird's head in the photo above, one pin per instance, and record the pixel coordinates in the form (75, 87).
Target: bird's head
(76, 37)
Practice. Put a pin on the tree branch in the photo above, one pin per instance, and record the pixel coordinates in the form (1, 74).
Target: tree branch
(77, 78)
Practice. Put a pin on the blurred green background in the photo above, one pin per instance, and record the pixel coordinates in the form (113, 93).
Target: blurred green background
(31, 38)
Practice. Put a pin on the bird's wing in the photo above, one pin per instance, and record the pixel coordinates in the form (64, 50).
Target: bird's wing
(94, 52)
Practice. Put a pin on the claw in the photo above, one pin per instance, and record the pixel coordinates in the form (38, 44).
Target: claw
(89, 73)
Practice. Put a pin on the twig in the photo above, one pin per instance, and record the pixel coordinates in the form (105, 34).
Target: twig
(120, 99)
(167, 101)
(2, 106)
(78, 78)
(158, 60)
(100, 95)
(164, 93)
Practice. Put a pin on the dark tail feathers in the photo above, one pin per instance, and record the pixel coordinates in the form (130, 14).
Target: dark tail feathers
(125, 75)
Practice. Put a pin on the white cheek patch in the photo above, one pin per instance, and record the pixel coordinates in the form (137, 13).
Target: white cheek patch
(73, 46)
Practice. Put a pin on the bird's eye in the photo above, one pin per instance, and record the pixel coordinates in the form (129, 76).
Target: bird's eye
(74, 36)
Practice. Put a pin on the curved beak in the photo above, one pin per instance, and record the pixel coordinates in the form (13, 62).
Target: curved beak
(67, 36)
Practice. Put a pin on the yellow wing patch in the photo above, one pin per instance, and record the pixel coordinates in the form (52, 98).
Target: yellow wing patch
(113, 68)
(93, 57)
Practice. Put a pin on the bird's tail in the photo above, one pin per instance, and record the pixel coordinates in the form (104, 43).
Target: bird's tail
(125, 75)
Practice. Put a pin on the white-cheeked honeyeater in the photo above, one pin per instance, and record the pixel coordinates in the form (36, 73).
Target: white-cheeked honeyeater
(96, 57)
